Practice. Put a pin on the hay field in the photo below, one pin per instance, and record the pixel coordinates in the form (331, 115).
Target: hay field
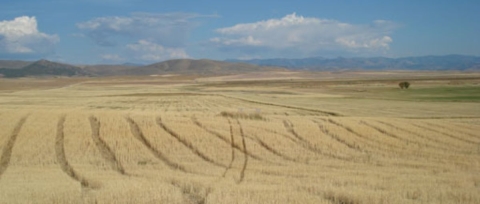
(186, 140)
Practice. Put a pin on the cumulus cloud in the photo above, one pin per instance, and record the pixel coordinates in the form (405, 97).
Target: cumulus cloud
(143, 37)
(21, 36)
(170, 30)
(309, 35)
(150, 51)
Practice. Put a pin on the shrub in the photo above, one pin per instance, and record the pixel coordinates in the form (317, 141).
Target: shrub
(404, 84)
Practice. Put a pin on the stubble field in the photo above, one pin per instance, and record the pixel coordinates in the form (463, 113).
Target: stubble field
(182, 140)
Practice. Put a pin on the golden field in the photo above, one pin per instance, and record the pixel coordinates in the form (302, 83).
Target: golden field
(268, 138)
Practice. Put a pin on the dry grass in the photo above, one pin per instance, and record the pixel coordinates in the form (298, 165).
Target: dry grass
(160, 143)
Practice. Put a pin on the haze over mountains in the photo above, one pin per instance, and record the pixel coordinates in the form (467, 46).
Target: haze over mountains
(10, 68)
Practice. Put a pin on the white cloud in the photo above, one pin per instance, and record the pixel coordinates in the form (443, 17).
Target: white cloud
(150, 51)
(143, 37)
(167, 29)
(21, 36)
(308, 35)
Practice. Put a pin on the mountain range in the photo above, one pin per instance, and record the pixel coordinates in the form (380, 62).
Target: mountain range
(11, 69)
(446, 62)
(43, 68)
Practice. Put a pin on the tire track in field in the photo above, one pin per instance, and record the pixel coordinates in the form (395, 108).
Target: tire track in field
(385, 132)
(188, 144)
(291, 139)
(468, 127)
(307, 145)
(272, 150)
(7, 150)
(443, 133)
(236, 146)
(337, 138)
(433, 140)
(394, 149)
(232, 145)
(457, 130)
(62, 159)
(221, 137)
(138, 134)
(327, 113)
(381, 130)
(379, 144)
(245, 163)
(102, 146)
(356, 146)
(289, 127)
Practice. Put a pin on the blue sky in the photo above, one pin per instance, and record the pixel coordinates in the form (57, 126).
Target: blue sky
(145, 31)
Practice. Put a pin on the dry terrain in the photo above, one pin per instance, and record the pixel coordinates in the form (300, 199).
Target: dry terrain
(340, 138)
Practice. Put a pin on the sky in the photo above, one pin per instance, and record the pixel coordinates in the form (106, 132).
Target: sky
(148, 31)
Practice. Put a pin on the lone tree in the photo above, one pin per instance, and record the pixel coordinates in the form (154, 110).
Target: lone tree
(404, 84)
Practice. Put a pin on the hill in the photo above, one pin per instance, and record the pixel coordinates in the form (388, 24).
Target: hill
(44, 68)
(447, 62)
(197, 67)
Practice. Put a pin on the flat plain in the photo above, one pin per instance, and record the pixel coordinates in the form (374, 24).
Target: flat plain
(286, 137)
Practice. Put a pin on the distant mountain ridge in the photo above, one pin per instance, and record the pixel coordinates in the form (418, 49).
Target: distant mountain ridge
(12, 68)
(175, 67)
(44, 68)
(446, 62)
(198, 67)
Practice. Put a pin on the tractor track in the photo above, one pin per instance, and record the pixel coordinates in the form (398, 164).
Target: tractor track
(291, 139)
(466, 127)
(102, 146)
(378, 147)
(337, 138)
(326, 113)
(271, 149)
(7, 150)
(433, 140)
(62, 159)
(424, 157)
(188, 144)
(245, 163)
(385, 132)
(438, 157)
(232, 145)
(138, 134)
(307, 145)
(289, 127)
(445, 134)
(459, 131)
(221, 137)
